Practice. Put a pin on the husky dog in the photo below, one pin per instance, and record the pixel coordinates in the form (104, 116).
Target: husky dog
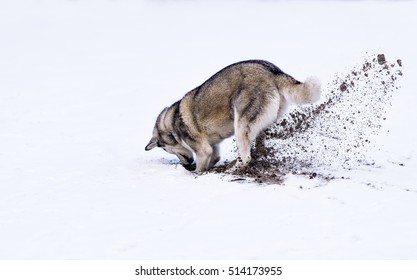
(242, 99)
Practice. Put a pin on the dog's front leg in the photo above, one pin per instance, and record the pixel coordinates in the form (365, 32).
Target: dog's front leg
(215, 156)
(203, 156)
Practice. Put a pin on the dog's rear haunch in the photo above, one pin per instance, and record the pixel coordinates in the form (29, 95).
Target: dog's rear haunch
(242, 100)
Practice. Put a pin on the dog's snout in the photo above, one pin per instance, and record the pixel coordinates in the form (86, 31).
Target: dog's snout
(190, 167)
(189, 160)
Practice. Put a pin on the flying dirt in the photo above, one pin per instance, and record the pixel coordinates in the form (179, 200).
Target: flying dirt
(332, 135)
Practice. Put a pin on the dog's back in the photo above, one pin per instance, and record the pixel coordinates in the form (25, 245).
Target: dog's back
(249, 86)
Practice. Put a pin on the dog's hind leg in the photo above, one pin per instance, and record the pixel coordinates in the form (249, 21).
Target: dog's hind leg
(247, 129)
(243, 141)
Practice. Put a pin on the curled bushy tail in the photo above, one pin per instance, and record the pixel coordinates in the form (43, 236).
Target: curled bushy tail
(303, 93)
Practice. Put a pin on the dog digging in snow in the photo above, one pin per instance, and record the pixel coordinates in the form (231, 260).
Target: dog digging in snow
(242, 99)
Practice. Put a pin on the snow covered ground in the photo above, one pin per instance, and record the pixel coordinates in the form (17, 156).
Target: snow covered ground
(81, 83)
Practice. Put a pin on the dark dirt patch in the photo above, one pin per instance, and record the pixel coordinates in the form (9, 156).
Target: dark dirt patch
(315, 140)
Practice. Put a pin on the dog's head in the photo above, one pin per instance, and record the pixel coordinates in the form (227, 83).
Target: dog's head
(163, 136)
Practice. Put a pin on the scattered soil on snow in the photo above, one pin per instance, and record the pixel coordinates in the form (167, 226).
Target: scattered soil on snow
(335, 134)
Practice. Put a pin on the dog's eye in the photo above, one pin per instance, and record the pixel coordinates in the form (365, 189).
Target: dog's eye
(168, 139)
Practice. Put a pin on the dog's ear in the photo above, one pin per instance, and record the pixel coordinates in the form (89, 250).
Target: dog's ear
(152, 144)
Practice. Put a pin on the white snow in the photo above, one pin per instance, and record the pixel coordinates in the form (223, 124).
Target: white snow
(82, 82)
